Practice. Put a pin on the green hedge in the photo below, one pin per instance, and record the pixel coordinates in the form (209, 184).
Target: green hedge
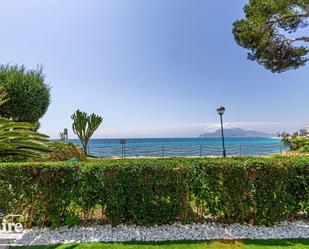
(258, 191)
(157, 191)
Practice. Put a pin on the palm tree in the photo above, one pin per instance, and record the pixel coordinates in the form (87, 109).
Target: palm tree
(19, 138)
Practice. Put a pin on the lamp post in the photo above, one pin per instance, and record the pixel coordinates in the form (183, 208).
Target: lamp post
(221, 111)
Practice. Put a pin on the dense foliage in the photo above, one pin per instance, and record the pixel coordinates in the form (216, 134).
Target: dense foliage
(299, 144)
(60, 151)
(18, 141)
(29, 96)
(157, 191)
(84, 126)
(267, 31)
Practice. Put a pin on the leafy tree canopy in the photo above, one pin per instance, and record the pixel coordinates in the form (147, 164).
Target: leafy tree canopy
(29, 96)
(275, 32)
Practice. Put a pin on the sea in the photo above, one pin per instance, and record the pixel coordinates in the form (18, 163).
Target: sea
(178, 147)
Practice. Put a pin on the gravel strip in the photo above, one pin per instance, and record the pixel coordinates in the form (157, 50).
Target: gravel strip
(121, 233)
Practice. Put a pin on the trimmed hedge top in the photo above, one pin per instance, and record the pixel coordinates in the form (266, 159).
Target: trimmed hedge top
(157, 191)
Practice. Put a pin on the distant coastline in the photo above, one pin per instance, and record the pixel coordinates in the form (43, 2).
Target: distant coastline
(237, 133)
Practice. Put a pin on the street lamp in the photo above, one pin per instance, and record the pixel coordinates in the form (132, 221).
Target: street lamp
(221, 111)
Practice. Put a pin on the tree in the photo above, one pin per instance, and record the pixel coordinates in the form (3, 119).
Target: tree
(18, 138)
(84, 126)
(29, 96)
(271, 31)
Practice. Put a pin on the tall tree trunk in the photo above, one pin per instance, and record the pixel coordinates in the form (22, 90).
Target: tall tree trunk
(85, 146)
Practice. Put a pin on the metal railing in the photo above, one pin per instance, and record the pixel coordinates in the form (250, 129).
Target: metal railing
(130, 150)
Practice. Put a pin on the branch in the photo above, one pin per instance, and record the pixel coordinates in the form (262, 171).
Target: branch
(303, 39)
(306, 14)
(302, 15)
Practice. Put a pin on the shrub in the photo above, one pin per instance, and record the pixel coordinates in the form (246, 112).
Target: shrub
(300, 144)
(157, 191)
(29, 96)
(6, 159)
(259, 191)
(65, 151)
(304, 149)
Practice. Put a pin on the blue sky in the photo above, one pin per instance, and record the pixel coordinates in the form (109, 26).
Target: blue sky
(151, 68)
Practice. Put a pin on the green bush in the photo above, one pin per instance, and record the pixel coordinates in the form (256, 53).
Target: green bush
(157, 191)
(300, 144)
(28, 95)
(65, 151)
(304, 149)
(252, 190)
(7, 159)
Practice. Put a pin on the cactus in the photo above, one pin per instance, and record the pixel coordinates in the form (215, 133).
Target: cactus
(84, 126)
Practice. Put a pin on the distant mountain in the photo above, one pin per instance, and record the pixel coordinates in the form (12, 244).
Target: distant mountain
(236, 132)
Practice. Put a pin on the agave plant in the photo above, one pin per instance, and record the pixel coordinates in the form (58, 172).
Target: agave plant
(19, 138)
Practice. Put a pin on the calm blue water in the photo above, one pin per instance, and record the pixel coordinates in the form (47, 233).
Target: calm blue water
(184, 147)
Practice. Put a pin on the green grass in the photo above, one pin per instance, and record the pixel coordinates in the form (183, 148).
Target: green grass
(238, 244)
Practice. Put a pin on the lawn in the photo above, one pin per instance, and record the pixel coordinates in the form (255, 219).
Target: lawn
(239, 244)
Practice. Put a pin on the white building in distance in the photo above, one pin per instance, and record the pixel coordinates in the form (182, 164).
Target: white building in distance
(304, 132)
